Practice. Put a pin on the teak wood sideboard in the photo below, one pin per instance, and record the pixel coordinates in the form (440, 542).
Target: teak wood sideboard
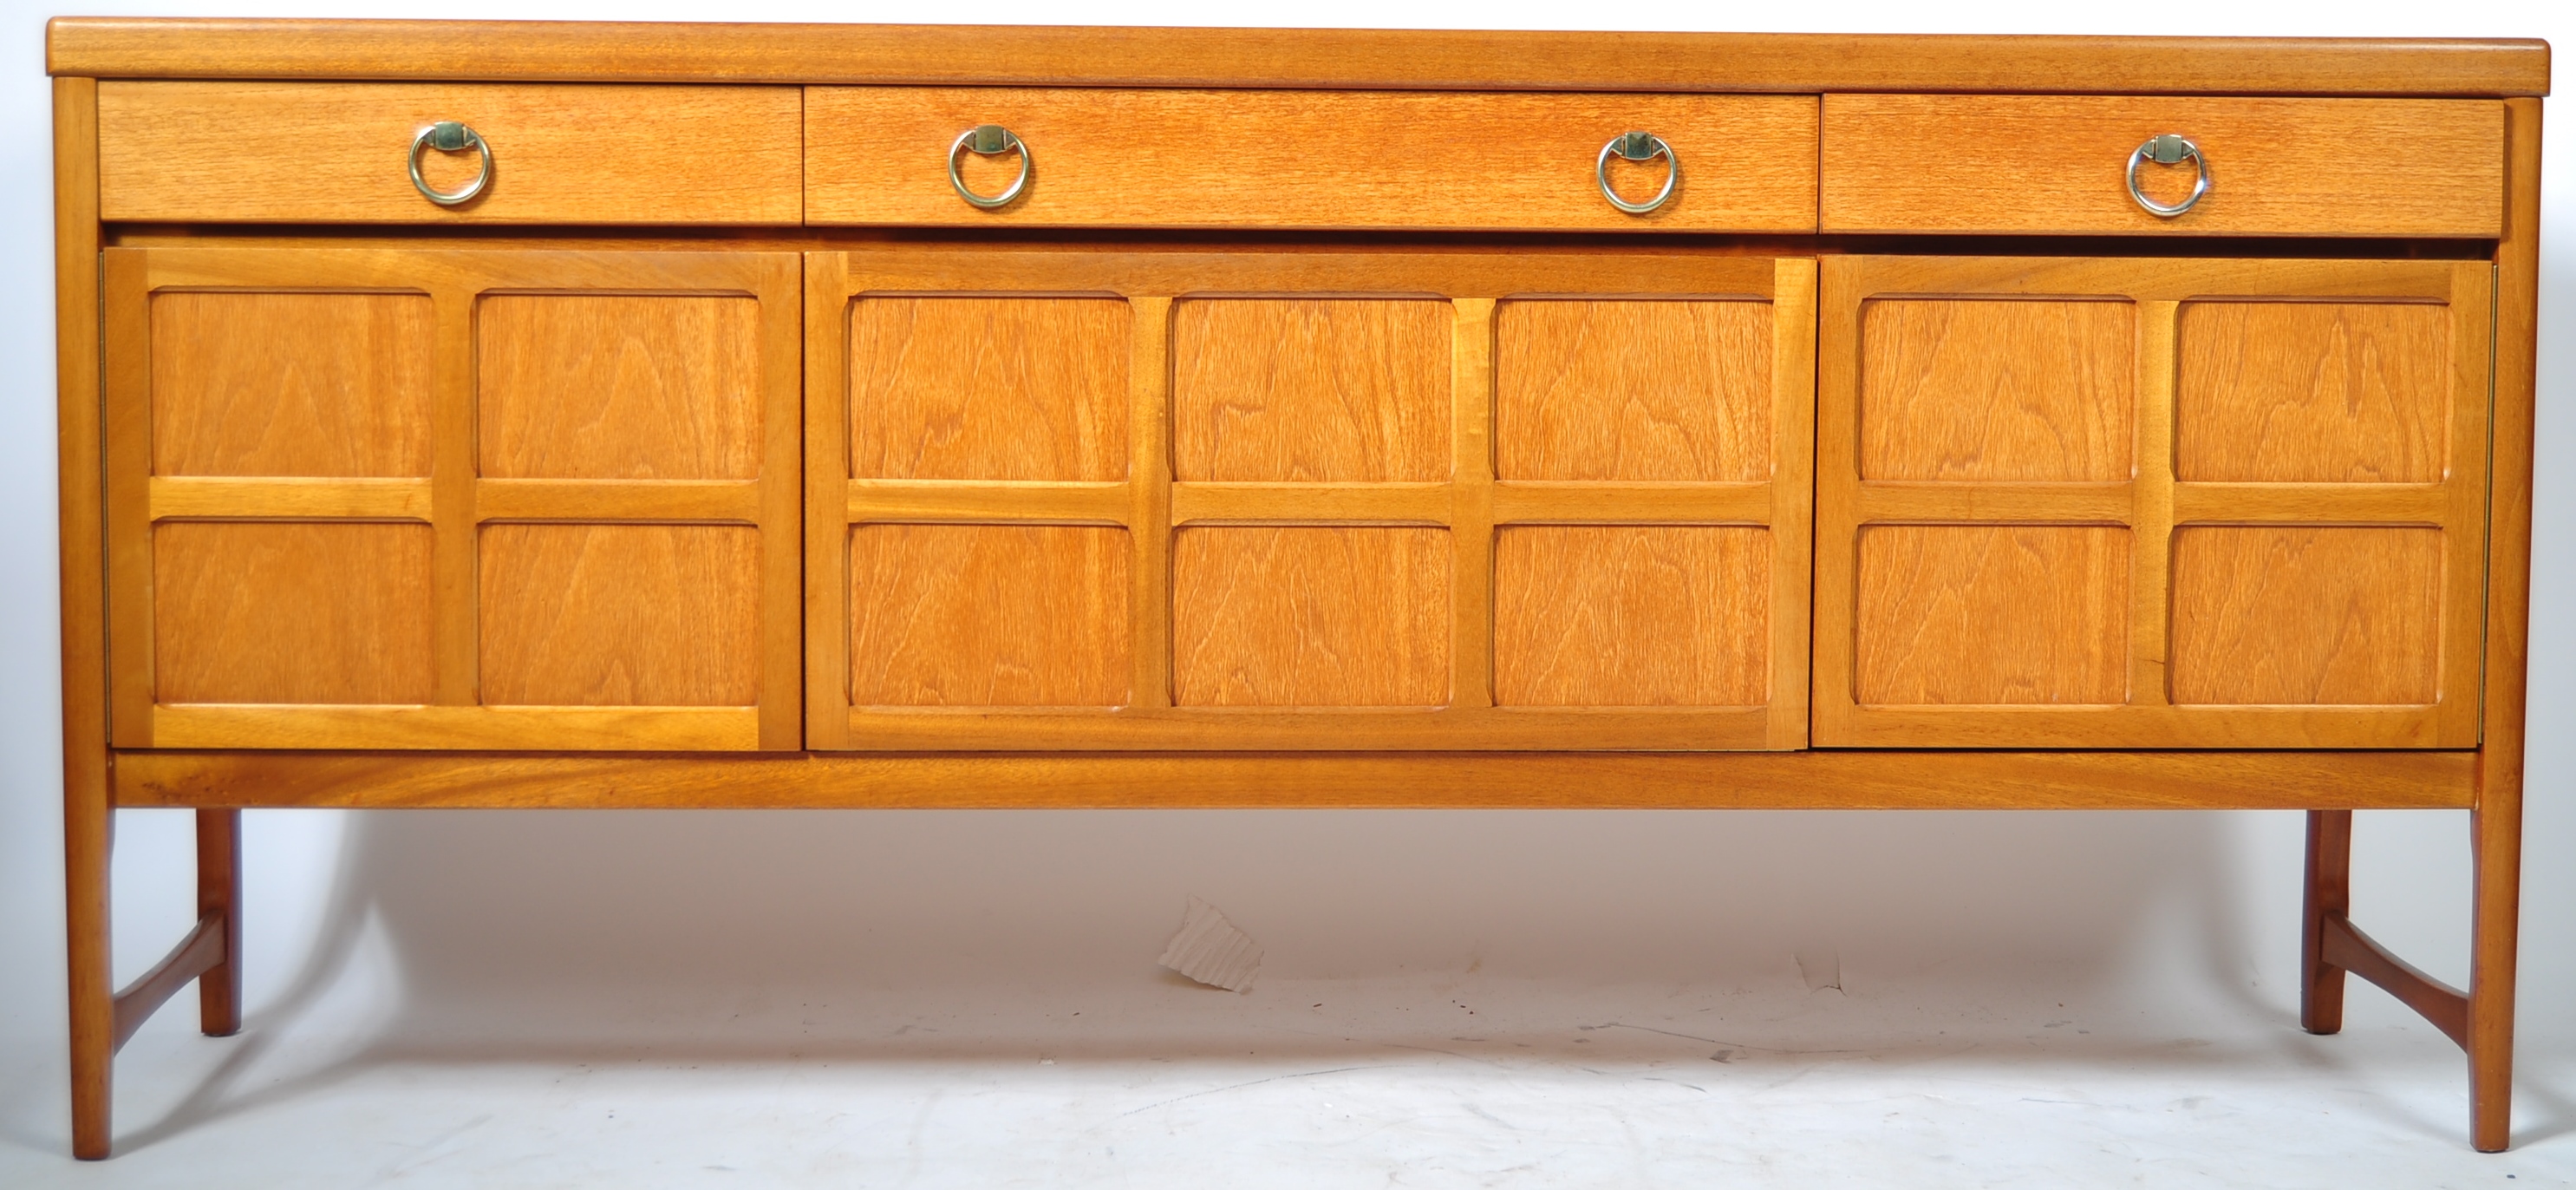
(598, 415)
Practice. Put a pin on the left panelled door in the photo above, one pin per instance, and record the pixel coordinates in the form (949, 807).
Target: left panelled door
(453, 499)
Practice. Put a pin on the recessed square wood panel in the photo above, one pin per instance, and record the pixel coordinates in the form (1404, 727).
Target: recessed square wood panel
(1992, 615)
(1633, 390)
(289, 612)
(988, 615)
(1969, 389)
(606, 386)
(2301, 615)
(988, 388)
(1267, 616)
(2320, 392)
(1311, 390)
(1619, 615)
(620, 615)
(291, 384)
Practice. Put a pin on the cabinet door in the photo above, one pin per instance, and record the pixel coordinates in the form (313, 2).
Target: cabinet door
(2150, 503)
(1306, 500)
(452, 499)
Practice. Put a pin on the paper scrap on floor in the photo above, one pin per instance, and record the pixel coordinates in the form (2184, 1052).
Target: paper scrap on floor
(1210, 950)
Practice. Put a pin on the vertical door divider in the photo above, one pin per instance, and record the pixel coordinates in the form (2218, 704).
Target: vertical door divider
(2151, 510)
(1149, 517)
(1471, 505)
(455, 533)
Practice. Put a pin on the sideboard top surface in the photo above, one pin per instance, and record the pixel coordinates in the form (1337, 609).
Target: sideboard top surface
(122, 47)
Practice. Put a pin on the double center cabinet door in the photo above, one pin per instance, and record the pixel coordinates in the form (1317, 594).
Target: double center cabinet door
(969, 498)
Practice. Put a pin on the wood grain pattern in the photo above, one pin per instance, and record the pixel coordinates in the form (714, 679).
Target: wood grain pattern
(1466, 504)
(219, 896)
(1310, 390)
(1587, 503)
(332, 153)
(737, 500)
(1632, 390)
(1108, 157)
(1992, 615)
(2277, 614)
(988, 615)
(624, 346)
(620, 615)
(2319, 392)
(307, 612)
(81, 544)
(2314, 503)
(988, 388)
(1611, 615)
(1471, 504)
(238, 498)
(125, 47)
(332, 384)
(1313, 503)
(614, 386)
(2443, 1006)
(1310, 617)
(2495, 826)
(1882, 779)
(1960, 389)
(449, 728)
(2055, 164)
(2151, 503)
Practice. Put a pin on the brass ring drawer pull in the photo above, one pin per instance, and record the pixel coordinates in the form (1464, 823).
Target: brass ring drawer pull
(990, 140)
(1638, 146)
(2168, 149)
(448, 136)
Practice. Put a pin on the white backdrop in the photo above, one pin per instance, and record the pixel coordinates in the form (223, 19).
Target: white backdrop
(493, 923)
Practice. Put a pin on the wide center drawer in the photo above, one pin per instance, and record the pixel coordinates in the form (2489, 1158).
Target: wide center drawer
(235, 152)
(1307, 159)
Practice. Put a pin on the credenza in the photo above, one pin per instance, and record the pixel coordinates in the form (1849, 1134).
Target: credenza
(615, 415)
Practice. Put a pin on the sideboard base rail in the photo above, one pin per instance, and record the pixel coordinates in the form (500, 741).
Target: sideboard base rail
(1956, 780)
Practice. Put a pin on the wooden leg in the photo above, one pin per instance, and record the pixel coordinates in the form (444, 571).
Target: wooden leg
(2496, 828)
(2329, 895)
(219, 892)
(88, 827)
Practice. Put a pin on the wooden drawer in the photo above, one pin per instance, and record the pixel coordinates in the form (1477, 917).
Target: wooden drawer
(2053, 164)
(333, 153)
(1310, 159)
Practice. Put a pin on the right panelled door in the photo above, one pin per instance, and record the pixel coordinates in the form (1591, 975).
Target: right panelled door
(2141, 503)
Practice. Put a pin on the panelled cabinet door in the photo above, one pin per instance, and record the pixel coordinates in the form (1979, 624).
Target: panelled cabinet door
(2150, 503)
(1306, 500)
(452, 499)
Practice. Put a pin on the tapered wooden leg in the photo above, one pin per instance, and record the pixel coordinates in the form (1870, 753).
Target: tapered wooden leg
(2329, 895)
(219, 892)
(88, 825)
(2497, 830)
(87, 817)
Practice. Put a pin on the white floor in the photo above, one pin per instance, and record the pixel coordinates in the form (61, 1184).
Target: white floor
(1916, 1082)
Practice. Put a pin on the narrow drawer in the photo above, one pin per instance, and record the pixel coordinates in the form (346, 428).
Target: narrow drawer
(2053, 164)
(335, 153)
(1309, 159)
